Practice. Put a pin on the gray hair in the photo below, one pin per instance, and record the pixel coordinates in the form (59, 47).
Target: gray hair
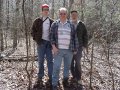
(63, 9)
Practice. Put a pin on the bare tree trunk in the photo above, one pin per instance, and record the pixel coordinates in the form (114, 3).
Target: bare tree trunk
(27, 49)
(29, 74)
(1, 31)
(29, 23)
(7, 22)
(91, 63)
(109, 40)
(8, 18)
(16, 24)
(70, 6)
(101, 8)
(82, 10)
(63, 3)
(15, 38)
(52, 11)
(111, 71)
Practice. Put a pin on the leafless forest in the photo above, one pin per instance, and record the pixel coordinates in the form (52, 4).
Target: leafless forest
(18, 58)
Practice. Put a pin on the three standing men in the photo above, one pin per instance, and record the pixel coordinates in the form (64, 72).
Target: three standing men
(64, 38)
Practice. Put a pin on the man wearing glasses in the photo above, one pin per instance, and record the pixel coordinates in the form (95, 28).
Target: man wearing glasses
(40, 33)
(64, 43)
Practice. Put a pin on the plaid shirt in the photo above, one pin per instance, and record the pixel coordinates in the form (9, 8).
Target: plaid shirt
(54, 35)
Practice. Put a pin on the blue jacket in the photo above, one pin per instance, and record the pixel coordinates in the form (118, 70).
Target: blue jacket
(54, 35)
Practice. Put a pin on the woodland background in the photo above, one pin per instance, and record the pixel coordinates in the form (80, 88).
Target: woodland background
(100, 67)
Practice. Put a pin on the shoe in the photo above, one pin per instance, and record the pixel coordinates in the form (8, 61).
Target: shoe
(49, 84)
(79, 85)
(79, 82)
(38, 84)
(73, 80)
(58, 84)
(66, 83)
(54, 87)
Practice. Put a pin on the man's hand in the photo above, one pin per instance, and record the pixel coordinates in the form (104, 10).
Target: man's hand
(55, 50)
(74, 52)
(86, 50)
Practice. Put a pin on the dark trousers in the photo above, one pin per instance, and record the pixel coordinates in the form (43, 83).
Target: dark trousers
(76, 64)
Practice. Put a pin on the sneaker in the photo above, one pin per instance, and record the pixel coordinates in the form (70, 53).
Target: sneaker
(38, 84)
(66, 83)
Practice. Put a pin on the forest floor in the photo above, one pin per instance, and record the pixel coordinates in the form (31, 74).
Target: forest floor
(14, 77)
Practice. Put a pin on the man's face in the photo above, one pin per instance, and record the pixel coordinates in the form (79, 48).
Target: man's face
(45, 11)
(74, 16)
(63, 15)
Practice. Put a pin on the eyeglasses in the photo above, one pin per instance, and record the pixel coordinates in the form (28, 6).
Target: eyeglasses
(62, 13)
(45, 9)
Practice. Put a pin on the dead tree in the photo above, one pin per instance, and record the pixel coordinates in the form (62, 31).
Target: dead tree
(27, 48)
(15, 30)
(69, 7)
(52, 11)
(91, 63)
(82, 9)
(1, 31)
(26, 27)
(7, 22)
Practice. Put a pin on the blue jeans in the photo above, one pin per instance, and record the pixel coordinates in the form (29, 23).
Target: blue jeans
(66, 56)
(76, 64)
(45, 51)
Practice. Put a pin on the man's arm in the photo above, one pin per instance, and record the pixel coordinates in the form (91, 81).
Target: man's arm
(52, 38)
(85, 38)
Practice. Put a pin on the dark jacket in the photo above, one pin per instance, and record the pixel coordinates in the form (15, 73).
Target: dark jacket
(82, 35)
(37, 29)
